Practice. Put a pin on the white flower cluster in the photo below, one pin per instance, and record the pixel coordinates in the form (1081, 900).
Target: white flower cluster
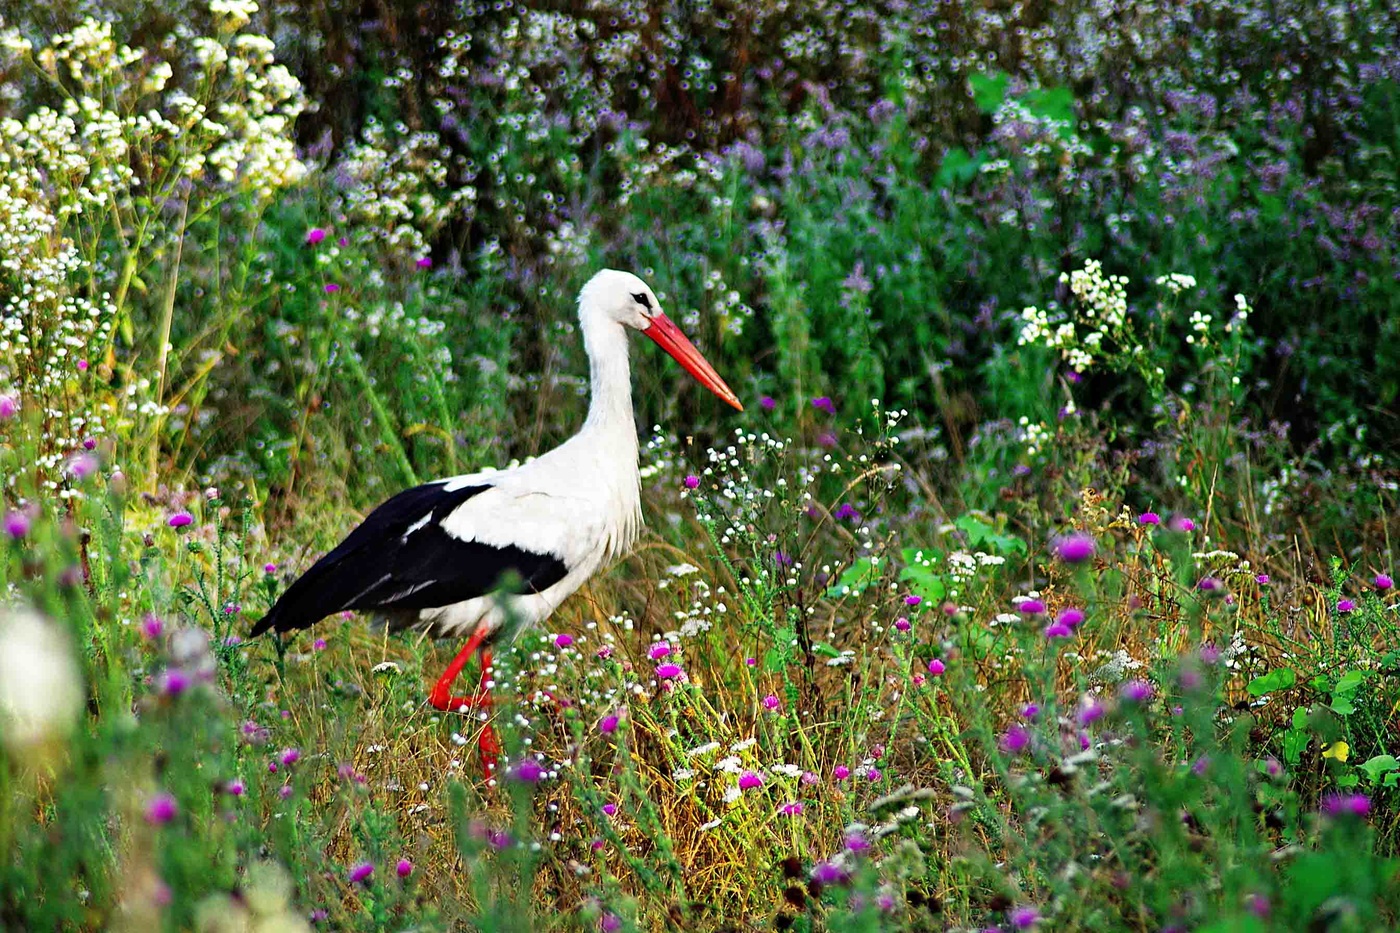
(1100, 313)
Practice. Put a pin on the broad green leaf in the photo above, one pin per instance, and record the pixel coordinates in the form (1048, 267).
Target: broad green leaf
(854, 579)
(1281, 679)
(1348, 683)
(1295, 743)
(988, 90)
(1379, 765)
(1300, 718)
(825, 650)
(1342, 706)
(957, 168)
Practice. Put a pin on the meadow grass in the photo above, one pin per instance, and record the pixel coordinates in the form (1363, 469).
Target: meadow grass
(1010, 602)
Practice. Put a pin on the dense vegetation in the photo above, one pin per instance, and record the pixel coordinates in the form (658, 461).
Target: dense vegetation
(1045, 583)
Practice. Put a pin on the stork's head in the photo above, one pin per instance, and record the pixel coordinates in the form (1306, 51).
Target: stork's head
(627, 300)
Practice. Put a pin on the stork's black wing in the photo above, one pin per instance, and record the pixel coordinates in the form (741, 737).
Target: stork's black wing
(401, 558)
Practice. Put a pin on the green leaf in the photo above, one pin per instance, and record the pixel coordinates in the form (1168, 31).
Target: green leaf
(1281, 679)
(1348, 683)
(1294, 744)
(958, 168)
(1379, 765)
(1342, 706)
(1348, 780)
(989, 90)
(1300, 718)
(854, 579)
(984, 537)
(825, 650)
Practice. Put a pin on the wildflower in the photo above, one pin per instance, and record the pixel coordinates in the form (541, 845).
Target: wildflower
(1015, 740)
(82, 466)
(902, 624)
(659, 650)
(1178, 523)
(161, 809)
(1075, 548)
(767, 403)
(667, 671)
(319, 644)
(314, 236)
(331, 288)
(1262, 579)
(847, 511)
(1200, 766)
(1210, 654)
(1136, 691)
(913, 600)
(826, 873)
(269, 568)
(8, 407)
(1383, 582)
(1345, 605)
(692, 482)
(609, 922)
(872, 774)
(151, 627)
(1023, 918)
(840, 772)
(791, 808)
(361, 873)
(1070, 617)
(1273, 767)
(1149, 518)
(16, 524)
(827, 439)
(404, 868)
(82, 366)
(1258, 905)
(173, 682)
(750, 662)
(609, 723)
(1058, 629)
(424, 262)
(1337, 805)
(290, 756)
(610, 809)
(235, 788)
(180, 519)
(824, 403)
(935, 667)
(1209, 586)
(528, 771)
(1031, 607)
(562, 641)
(1030, 711)
(857, 843)
(749, 780)
(1091, 711)
(772, 703)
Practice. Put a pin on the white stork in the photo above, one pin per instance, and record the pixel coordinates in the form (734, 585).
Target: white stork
(434, 556)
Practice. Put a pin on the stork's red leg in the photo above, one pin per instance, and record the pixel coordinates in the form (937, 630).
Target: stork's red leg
(441, 695)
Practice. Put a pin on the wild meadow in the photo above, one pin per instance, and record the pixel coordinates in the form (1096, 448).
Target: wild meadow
(1047, 581)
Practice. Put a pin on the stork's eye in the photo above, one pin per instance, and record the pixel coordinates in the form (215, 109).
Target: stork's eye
(642, 299)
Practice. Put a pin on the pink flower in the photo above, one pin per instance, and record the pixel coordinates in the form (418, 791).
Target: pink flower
(1335, 805)
(792, 808)
(692, 482)
(610, 809)
(424, 262)
(659, 650)
(1058, 630)
(767, 403)
(319, 644)
(913, 600)
(332, 288)
(1180, 523)
(1262, 579)
(1136, 691)
(772, 703)
(180, 519)
(840, 772)
(1384, 582)
(9, 406)
(562, 640)
(1149, 518)
(1075, 548)
(1015, 740)
(82, 366)
(314, 236)
(16, 524)
(935, 667)
(902, 624)
(1345, 605)
(1070, 616)
(404, 868)
(290, 756)
(749, 780)
(234, 788)
(1031, 607)
(528, 771)
(667, 671)
(608, 724)
(82, 466)
(151, 627)
(824, 403)
(269, 568)
(161, 809)
(361, 873)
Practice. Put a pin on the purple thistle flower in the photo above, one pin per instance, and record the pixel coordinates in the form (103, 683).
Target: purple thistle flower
(1030, 711)
(659, 650)
(1345, 605)
(692, 482)
(749, 780)
(1180, 523)
(1136, 691)
(609, 922)
(528, 771)
(936, 667)
(319, 644)
(1262, 579)
(161, 809)
(1075, 548)
(151, 626)
(847, 511)
(1149, 518)
(1258, 905)
(424, 262)
(1015, 740)
(913, 600)
(1058, 629)
(609, 723)
(772, 703)
(404, 868)
(361, 873)
(828, 873)
(667, 671)
(840, 772)
(180, 519)
(902, 624)
(269, 568)
(1031, 607)
(82, 466)
(1384, 582)
(610, 809)
(290, 756)
(562, 641)
(857, 843)
(235, 788)
(1090, 712)
(824, 403)
(1023, 918)
(9, 406)
(331, 288)
(767, 403)
(314, 236)
(17, 524)
(1070, 616)
(1210, 586)
(174, 682)
(1339, 805)
(791, 808)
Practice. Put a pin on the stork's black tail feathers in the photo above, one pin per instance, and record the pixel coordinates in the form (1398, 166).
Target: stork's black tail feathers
(400, 558)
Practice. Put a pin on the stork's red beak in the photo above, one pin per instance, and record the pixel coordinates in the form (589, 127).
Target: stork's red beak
(669, 338)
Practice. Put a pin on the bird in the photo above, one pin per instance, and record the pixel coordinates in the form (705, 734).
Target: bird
(487, 554)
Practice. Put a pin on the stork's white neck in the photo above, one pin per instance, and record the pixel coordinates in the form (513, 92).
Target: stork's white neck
(610, 432)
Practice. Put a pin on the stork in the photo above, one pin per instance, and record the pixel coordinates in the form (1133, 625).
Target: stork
(434, 557)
